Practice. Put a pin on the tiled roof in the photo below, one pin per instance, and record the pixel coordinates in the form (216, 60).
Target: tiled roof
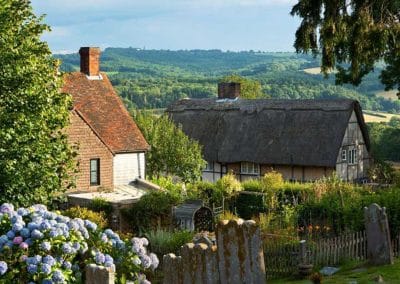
(102, 109)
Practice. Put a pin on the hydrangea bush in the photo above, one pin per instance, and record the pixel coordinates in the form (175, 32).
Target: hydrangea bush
(39, 246)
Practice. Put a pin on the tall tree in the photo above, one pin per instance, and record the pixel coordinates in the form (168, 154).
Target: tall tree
(172, 152)
(35, 159)
(249, 89)
(352, 36)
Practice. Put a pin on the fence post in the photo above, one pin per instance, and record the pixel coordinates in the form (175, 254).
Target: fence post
(305, 268)
(99, 274)
(240, 252)
(172, 269)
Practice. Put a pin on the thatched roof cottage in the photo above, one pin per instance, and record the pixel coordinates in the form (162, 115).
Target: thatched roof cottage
(303, 139)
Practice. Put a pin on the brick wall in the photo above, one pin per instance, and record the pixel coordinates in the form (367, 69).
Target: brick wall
(89, 147)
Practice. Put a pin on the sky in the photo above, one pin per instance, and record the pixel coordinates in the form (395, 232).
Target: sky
(234, 25)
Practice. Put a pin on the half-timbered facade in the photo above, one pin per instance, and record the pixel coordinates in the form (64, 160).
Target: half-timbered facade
(304, 140)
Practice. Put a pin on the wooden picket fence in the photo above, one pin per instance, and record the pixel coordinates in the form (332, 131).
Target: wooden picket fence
(282, 256)
(332, 251)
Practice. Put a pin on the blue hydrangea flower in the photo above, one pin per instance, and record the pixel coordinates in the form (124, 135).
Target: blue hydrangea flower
(36, 234)
(32, 226)
(46, 246)
(146, 261)
(18, 226)
(48, 259)
(3, 239)
(10, 234)
(22, 212)
(58, 277)
(46, 269)
(45, 225)
(32, 268)
(3, 267)
(67, 248)
(108, 257)
(6, 208)
(16, 219)
(67, 265)
(90, 225)
(29, 241)
(25, 233)
(47, 281)
(99, 258)
(154, 261)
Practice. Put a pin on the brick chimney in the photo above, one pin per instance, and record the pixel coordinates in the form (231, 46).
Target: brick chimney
(229, 90)
(90, 63)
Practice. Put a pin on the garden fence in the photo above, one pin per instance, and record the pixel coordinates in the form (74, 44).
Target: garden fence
(282, 256)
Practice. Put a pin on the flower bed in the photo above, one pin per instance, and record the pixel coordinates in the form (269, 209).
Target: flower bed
(39, 246)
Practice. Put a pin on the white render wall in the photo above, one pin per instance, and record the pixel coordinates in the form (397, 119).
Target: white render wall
(128, 167)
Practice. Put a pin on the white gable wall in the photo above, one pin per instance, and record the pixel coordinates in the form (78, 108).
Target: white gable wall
(128, 167)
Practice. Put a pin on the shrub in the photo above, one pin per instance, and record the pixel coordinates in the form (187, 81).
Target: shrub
(100, 204)
(228, 185)
(249, 205)
(252, 185)
(81, 212)
(206, 191)
(153, 210)
(164, 241)
(39, 246)
(271, 180)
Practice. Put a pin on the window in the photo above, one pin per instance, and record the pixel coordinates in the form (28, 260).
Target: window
(209, 167)
(249, 168)
(352, 156)
(344, 155)
(95, 172)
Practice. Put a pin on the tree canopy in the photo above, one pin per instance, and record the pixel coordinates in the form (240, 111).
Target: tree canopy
(249, 89)
(35, 159)
(352, 36)
(172, 152)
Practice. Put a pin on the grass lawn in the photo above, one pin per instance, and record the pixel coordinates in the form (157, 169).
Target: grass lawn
(355, 273)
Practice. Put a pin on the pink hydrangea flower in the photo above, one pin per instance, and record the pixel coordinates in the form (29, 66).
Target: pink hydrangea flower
(18, 240)
(23, 245)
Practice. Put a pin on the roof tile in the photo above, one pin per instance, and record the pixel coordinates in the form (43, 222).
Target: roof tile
(99, 105)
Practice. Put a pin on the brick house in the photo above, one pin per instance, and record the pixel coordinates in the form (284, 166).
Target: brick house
(111, 148)
(304, 140)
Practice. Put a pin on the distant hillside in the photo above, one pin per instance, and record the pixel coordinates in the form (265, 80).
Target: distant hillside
(155, 78)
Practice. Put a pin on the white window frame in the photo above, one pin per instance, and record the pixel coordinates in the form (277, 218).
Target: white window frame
(209, 167)
(352, 156)
(248, 168)
(344, 155)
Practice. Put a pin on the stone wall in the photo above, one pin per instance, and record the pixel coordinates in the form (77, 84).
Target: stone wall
(237, 258)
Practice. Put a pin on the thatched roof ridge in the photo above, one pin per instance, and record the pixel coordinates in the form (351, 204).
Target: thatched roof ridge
(276, 132)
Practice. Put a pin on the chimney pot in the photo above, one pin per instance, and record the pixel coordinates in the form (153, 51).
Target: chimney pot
(229, 90)
(90, 63)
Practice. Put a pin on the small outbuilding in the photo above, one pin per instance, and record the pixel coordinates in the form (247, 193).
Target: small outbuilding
(193, 216)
